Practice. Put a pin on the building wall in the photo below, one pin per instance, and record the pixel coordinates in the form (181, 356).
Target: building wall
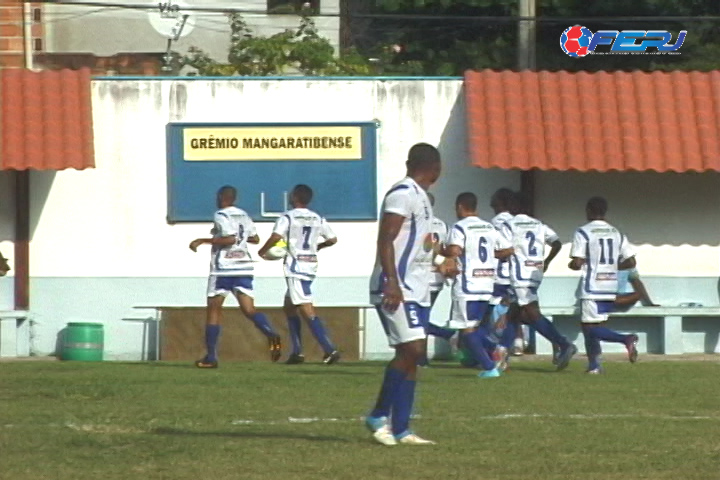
(109, 31)
(101, 245)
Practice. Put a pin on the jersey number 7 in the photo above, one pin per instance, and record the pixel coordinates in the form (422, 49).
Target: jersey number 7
(306, 231)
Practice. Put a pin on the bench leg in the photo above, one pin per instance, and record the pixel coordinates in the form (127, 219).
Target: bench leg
(672, 336)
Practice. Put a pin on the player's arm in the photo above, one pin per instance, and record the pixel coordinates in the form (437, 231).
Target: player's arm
(227, 236)
(327, 234)
(390, 225)
(577, 251)
(282, 225)
(555, 247)
(627, 263)
(252, 236)
(627, 253)
(503, 246)
(639, 287)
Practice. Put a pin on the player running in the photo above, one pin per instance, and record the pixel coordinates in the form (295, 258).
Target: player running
(600, 250)
(231, 271)
(527, 266)
(301, 228)
(400, 291)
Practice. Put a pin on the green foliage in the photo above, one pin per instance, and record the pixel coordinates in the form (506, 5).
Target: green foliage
(440, 46)
(301, 51)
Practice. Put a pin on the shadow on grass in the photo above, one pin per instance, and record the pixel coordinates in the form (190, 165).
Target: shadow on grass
(249, 434)
(329, 371)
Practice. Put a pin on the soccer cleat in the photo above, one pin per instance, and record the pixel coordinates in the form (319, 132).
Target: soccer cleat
(556, 355)
(384, 436)
(375, 423)
(412, 439)
(275, 346)
(204, 363)
(500, 357)
(295, 359)
(595, 371)
(518, 348)
(494, 373)
(565, 356)
(631, 345)
(332, 357)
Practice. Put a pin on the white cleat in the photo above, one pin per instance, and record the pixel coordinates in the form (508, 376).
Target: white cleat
(384, 436)
(413, 439)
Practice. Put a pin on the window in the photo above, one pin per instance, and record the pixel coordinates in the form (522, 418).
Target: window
(37, 15)
(38, 44)
(292, 6)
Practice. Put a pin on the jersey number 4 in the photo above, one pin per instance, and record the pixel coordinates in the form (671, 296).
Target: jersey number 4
(606, 245)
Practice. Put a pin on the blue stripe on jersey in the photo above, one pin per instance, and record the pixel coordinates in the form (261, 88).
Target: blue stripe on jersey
(220, 212)
(405, 258)
(397, 188)
(518, 270)
(588, 266)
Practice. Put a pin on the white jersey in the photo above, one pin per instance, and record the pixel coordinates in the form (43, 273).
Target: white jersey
(479, 240)
(602, 247)
(233, 259)
(302, 228)
(413, 245)
(439, 233)
(501, 222)
(529, 237)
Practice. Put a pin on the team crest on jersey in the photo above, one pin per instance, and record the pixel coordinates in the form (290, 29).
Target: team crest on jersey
(606, 277)
(235, 254)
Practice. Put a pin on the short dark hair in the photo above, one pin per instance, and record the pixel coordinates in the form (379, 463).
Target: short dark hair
(303, 193)
(467, 200)
(422, 156)
(597, 206)
(228, 191)
(503, 197)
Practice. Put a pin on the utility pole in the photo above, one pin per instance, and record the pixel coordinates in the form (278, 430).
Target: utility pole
(526, 36)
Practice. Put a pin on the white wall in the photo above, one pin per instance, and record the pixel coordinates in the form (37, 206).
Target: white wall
(107, 31)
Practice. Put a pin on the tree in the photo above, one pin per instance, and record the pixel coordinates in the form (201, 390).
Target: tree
(301, 51)
(445, 43)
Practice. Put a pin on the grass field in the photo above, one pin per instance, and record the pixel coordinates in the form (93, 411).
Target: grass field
(60, 420)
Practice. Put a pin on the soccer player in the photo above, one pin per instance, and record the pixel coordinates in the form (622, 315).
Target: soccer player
(231, 271)
(600, 250)
(400, 291)
(631, 290)
(301, 228)
(473, 243)
(527, 266)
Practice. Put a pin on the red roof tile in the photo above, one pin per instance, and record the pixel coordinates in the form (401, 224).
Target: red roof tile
(45, 120)
(594, 121)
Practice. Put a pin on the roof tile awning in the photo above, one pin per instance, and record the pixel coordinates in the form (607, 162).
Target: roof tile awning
(594, 121)
(45, 120)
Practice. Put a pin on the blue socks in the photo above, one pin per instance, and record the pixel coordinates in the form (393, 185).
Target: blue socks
(402, 407)
(212, 334)
(318, 330)
(607, 335)
(391, 382)
(441, 332)
(507, 339)
(474, 343)
(261, 322)
(294, 330)
(548, 330)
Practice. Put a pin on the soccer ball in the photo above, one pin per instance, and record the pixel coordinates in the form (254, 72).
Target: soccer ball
(575, 41)
(277, 251)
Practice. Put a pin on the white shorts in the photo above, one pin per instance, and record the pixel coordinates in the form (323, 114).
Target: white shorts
(404, 325)
(298, 290)
(595, 311)
(466, 313)
(224, 284)
(501, 292)
(525, 295)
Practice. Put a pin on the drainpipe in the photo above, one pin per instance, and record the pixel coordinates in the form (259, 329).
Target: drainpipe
(27, 35)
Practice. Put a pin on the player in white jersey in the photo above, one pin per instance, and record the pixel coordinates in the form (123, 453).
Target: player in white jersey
(302, 229)
(511, 332)
(600, 250)
(527, 266)
(400, 291)
(231, 271)
(4, 265)
(473, 243)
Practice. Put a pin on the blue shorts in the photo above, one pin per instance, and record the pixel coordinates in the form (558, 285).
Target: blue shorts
(225, 284)
(500, 292)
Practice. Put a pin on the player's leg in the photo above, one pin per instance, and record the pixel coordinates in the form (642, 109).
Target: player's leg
(528, 301)
(301, 296)
(406, 334)
(467, 315)
(294, 331)
(245, 296)
(216, 293)
(592, 349)
(597, 312)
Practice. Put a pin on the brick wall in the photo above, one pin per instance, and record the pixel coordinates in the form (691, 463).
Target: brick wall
(12, 43)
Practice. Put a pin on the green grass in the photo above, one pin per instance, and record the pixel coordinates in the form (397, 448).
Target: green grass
(69, 420)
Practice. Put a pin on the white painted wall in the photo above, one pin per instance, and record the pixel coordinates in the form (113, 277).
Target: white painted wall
(107, 31)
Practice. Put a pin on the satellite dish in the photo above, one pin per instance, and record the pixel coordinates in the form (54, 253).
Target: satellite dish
(171, 19)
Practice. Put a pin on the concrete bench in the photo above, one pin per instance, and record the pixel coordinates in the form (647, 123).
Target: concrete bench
(670, 324)
(14, 333)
